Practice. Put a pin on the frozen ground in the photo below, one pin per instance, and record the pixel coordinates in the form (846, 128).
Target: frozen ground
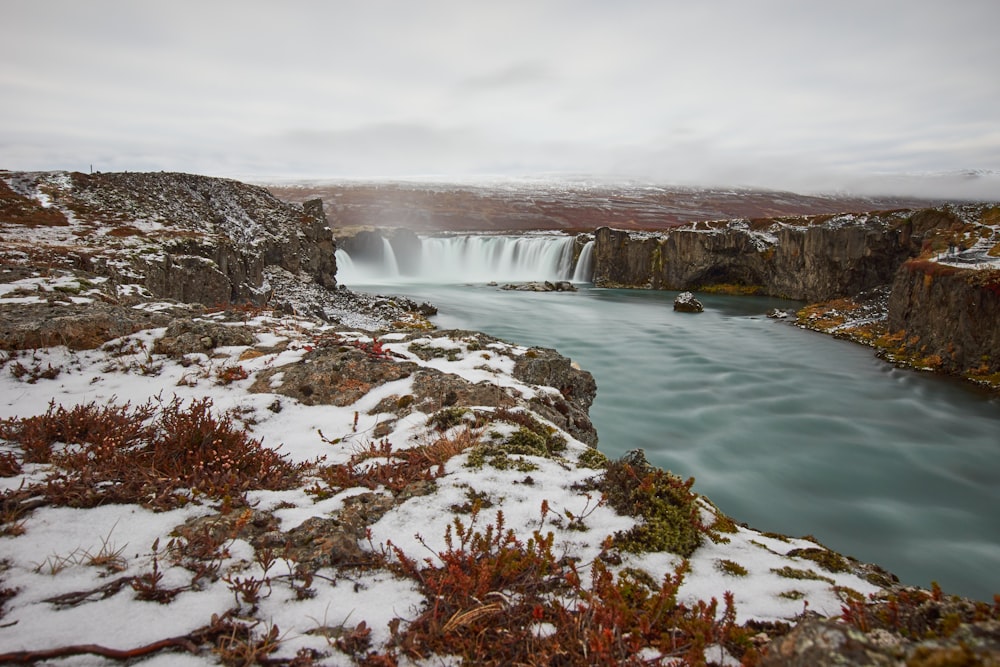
(51, 555)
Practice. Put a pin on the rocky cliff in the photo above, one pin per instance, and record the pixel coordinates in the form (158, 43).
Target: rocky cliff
(812, 258)
(178, 236)
(946, 318)
(919, 285)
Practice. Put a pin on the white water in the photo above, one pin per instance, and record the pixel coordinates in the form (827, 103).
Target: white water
(473, 259)
(584, 271)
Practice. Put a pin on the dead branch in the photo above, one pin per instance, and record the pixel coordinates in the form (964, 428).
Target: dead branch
(105, 591)
(26, 657)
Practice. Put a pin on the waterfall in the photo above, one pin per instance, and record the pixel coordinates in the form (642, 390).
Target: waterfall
(473, 258)
(362, 270)
(496, 258)
(584, 271)
(389, 262)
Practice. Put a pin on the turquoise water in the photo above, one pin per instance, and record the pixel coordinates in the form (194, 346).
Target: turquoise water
(787, 430)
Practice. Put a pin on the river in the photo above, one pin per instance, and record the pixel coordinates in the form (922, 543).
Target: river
(784, 429)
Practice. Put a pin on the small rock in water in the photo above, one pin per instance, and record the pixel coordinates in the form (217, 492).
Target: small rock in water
(777, 314)
(686, 303)
(546, 286)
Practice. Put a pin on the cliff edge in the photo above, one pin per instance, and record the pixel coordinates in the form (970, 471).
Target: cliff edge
(919, 285)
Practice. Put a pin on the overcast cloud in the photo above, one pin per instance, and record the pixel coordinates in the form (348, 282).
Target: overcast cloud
(810, 95)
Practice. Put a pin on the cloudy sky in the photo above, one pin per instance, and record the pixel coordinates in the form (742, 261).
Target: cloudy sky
(810, 95)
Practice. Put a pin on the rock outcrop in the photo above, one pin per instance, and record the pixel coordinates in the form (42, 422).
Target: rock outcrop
(946, 317)
(194, 239)
(939, 268)
(809, 259)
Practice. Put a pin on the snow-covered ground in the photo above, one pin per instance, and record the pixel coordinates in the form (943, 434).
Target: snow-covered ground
(50, 554)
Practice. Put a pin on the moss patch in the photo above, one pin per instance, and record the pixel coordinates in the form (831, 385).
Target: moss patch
(664, 502)
(730, 567)
(789, 572)
(828, 560)
(593, 459)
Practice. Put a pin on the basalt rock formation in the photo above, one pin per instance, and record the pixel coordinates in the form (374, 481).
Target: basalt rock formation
(809, 259)
(940, 268)
(947, 317)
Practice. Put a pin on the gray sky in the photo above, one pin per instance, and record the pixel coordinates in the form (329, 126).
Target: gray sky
(810, 95)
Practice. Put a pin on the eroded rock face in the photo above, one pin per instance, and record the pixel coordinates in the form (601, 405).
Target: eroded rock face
(577, 389)
(187, 336)
(811, 260)
(828, 643)
(948, 316)
(331, 376)
(340, 374)
(190, 238)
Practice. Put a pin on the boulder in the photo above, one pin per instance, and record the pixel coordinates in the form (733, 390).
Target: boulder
(686, 303)
(188, 336)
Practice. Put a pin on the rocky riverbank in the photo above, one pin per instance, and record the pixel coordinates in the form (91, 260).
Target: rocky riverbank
(303, 475)
(920, 286)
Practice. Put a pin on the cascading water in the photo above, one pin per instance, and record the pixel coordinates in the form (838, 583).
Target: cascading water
(472, 259)
(383, 267)
(501, 258)
(584, 271)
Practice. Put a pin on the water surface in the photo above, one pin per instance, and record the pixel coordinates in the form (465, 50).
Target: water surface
(787, 430)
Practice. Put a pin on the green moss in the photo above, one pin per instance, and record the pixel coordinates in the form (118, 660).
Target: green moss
(794, 573)
(776, 536)
(525, 442)
(732, 568)
(448, 417)
(482, 455)
(553, 440)
(591, 458)
(828, 560)
(661, 499)
(731, 289)
(475, 501)
(508, 452)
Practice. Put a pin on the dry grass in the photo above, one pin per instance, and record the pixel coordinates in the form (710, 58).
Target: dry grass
(380, 465)
(499, 600)
(157, 454)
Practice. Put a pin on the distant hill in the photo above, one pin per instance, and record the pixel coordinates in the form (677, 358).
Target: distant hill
(565, 206)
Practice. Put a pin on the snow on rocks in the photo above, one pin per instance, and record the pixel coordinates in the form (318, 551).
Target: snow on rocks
(136, 569)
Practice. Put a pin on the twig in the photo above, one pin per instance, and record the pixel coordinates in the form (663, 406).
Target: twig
(185, 642)
(106, 591)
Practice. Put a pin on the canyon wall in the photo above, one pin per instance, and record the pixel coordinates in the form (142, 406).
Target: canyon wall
(947, 317)
(809, 259)
(939, 266)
